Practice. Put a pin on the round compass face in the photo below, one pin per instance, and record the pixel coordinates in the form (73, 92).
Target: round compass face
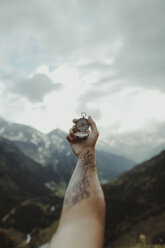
(82, 125)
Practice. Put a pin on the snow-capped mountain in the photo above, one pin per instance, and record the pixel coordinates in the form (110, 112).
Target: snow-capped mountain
(33, 142)
(53, 150)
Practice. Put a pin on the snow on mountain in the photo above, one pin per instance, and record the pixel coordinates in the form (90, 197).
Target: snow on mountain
(32, 141)
(53, 150)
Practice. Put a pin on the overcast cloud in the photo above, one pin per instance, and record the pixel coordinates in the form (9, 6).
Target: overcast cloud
(34, 88)
(103, 57)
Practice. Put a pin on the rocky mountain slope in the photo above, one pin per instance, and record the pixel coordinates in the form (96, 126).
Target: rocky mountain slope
(136, 204)
(53, 150)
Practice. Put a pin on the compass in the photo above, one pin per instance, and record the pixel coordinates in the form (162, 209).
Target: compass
(82, 125)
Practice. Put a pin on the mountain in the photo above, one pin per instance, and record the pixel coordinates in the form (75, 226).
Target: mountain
(49, 150)
(32, 141)
(135, 204)
(135, 201)
(27, 203)
(20, 177)
(139, 146)
(110, 165)
(53, 150)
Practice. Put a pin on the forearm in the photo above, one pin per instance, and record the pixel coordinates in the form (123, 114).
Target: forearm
(82, 219)
(84, 197)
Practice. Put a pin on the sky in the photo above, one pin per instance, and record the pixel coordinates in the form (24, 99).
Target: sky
(106, 58)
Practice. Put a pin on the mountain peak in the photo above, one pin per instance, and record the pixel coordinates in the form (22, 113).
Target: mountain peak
(56, 131)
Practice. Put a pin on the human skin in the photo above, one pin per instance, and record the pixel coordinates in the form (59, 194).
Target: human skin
(83, 214)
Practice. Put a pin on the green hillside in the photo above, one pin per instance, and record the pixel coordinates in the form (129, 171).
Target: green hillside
(136, 204)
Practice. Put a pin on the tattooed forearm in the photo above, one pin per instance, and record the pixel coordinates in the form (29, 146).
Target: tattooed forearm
(78, 189)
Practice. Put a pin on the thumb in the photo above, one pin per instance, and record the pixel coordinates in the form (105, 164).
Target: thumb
(93, 125)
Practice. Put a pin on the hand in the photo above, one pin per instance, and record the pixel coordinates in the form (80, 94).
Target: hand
(79, 145)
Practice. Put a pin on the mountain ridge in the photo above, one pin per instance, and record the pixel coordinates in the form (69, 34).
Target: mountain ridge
(53, 150)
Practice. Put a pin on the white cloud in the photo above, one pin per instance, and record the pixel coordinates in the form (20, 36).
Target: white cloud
(108, 55)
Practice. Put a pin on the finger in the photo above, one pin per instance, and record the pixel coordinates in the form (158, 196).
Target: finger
(69, 138)
(75, 120)
(74, 128)
(93, 125)
(71, 133)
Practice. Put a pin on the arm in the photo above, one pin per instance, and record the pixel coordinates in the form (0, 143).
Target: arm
(82, 219)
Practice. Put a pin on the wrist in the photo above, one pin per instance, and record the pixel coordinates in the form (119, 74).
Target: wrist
(87, 158)
(90, 150)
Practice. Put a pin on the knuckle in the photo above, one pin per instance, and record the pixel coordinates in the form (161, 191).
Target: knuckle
(69, 138)
(74, 128)
(71, 132)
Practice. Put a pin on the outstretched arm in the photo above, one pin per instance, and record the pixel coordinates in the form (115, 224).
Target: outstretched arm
(82, 219)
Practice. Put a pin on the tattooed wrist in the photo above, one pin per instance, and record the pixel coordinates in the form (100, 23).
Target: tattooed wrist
(87, 159)
(89, 150)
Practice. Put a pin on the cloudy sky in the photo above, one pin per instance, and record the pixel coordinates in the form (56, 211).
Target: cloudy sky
(60, 58)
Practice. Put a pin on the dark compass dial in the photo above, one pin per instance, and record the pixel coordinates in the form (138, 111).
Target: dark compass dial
(82, 125)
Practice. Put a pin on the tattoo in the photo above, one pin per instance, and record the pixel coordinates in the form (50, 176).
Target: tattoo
(78, 190)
